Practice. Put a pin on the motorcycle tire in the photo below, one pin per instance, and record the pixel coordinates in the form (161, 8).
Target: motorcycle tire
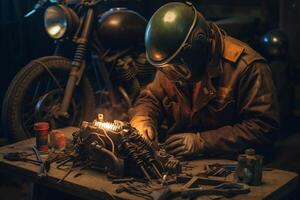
(12, 120)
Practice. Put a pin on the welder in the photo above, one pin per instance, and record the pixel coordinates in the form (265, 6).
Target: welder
(213, 92)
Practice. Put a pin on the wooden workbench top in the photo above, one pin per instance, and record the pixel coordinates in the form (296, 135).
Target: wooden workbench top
(95, 185)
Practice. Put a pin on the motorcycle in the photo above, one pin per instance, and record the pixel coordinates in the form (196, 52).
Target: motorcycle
(98, 55)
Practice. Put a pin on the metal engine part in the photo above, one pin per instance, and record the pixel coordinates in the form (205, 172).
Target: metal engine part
(117, 148)
(126, 72)
(132, 72)
(130, 67)
(126, 68)
(135, 72)
(145, 71)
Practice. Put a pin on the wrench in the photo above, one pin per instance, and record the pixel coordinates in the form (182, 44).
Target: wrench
(225, 189)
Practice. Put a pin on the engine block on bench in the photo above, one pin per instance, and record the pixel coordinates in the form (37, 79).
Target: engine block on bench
(117, 148)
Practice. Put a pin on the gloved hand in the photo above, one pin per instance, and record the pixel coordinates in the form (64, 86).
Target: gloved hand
(184, 144)
(145, 127)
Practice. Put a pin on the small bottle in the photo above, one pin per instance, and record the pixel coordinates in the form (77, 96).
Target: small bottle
(249, 168)
(41, 130)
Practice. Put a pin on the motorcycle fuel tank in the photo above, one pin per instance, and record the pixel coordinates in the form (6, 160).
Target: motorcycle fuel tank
(120, 27)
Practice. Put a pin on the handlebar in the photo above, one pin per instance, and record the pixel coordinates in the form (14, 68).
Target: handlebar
(41, 3)
(38, 5)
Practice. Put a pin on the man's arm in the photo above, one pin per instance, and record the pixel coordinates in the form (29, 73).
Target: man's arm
(258, 112)
(148, 110)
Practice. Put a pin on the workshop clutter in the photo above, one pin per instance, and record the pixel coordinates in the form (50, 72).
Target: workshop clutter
(139, 167)
(119, 149)
(45, 138)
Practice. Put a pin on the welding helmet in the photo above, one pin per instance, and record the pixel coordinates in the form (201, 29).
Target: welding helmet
(177, 41)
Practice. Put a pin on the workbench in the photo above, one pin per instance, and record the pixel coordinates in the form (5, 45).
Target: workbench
(92, 185)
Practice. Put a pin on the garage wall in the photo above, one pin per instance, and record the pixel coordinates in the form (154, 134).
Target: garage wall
(20, 39)
(289, 12)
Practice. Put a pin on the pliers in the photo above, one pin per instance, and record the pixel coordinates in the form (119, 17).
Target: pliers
(20, 156)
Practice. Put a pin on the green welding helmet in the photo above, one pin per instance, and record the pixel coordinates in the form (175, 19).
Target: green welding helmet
(176, 36)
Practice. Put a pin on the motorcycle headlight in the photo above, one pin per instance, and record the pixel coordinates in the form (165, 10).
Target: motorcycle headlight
(59, 21)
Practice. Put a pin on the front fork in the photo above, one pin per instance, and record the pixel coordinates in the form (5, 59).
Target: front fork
(78, 63)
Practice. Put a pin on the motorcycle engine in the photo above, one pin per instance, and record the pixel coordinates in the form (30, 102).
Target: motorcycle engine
(120, 32)
(118, 149)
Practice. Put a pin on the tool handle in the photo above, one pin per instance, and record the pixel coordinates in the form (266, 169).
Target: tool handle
(15, 156)
(225, 189)
(37, 154)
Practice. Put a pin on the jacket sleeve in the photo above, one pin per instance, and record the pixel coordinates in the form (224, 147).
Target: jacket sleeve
(257, 109)
(148, 106)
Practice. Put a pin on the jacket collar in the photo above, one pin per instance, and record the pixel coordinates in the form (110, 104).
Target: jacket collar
(226, 48)
(215, 66)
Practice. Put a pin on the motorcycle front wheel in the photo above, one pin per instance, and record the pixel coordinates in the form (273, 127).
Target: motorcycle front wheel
(36, 93)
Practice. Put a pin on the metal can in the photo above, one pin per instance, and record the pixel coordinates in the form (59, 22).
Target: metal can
(249, 168)
(41, 129)
(57, 139)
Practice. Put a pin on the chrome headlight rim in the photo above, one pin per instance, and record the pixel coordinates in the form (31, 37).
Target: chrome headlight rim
(60, 21)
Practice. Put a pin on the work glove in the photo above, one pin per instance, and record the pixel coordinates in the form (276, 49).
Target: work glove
(145, 127)
(184, 144)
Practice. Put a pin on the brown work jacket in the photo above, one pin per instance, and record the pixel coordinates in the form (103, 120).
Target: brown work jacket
(233, 108)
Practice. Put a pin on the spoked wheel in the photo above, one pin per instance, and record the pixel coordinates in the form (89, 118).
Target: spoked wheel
(36, 94)
(48, 106)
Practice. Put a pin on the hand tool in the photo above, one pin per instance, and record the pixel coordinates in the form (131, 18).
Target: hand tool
(195, 180)
(44, 167)
(225, 189)
(67, 173)
(122, 180)
(20, 156)
(221, 170)
(134, 190)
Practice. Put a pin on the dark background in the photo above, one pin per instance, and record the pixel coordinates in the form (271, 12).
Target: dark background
(23, 39)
